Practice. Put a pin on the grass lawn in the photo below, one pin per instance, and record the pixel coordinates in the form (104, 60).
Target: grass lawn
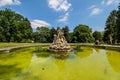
(4, 45)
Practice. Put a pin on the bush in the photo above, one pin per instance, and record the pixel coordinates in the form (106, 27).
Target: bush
(38, 49)
(78, 48)
(42, 54)
(41, 51)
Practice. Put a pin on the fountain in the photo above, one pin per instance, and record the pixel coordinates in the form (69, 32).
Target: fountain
(59, 43)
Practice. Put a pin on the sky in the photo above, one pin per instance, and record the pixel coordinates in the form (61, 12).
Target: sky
(54, 13)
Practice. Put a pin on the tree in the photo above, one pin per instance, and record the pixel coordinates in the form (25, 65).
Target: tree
(97, 35)
(52, 33)
(110, 29)
(66, 33)
(118, 24)
(36, 37)
(14, 27)
(26, 29)
(83, 33)
(73, 38)
(43, 34)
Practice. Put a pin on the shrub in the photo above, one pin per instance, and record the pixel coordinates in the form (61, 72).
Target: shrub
(38, 49)
(78, 48)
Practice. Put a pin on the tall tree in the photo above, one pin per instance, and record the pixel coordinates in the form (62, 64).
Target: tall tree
(66, 33)
(43, 34)
(14, 27)
(110, 29)
(118, 24)
(97, 35)
(52, 33)
(73, 38)
(83, 33)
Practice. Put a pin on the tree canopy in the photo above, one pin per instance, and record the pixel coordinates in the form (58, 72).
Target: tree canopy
(42, 34)
(118, 24)
(14, 27)
(112, 29)
(97, 35)
(66, 33)
(83, 33)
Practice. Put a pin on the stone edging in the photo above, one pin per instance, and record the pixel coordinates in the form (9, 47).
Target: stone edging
(111, 47)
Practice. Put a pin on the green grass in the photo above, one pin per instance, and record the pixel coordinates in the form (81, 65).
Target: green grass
(5, 45)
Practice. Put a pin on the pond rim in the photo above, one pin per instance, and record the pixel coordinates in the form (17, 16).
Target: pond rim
(101, 46)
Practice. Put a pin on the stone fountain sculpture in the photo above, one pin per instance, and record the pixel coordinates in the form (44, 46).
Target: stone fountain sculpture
(59, 43)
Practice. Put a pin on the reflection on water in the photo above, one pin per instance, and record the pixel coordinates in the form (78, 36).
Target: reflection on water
(58, 63)
(89, 64)
(11, 64)
(114, 59)
(82, 54)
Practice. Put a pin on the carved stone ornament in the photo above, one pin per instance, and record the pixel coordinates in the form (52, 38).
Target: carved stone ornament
(59, 43)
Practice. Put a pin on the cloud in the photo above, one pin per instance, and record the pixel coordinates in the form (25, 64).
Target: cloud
(103, 2)
(59, 5)
(91, 7)
(64, 18)
(110, 2)
(95, 11)
(9, 2)
(39, 23)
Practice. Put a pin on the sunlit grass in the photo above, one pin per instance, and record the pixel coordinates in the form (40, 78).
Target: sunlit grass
(5, 45)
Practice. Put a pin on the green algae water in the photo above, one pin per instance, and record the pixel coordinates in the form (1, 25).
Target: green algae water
(88, 64)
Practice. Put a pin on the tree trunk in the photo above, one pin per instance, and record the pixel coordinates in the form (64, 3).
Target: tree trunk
(110, 38)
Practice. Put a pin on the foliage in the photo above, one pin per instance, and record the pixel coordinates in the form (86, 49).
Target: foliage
(14, 27)
(42, 34)
(110, 29)
(118, 24)
(52, 32)
(42, 52)
(40, 49)
(78, 48)
(97, 35)
(73, 39)
(36, 36)
(83, 34)
(66, 33)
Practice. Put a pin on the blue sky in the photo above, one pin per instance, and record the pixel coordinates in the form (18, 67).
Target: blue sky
(54, 13)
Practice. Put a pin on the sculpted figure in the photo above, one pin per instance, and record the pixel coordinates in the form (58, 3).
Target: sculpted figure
(55, 38)
(59, 42)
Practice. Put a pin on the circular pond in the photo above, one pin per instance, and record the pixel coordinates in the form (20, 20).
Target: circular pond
(88, 64)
